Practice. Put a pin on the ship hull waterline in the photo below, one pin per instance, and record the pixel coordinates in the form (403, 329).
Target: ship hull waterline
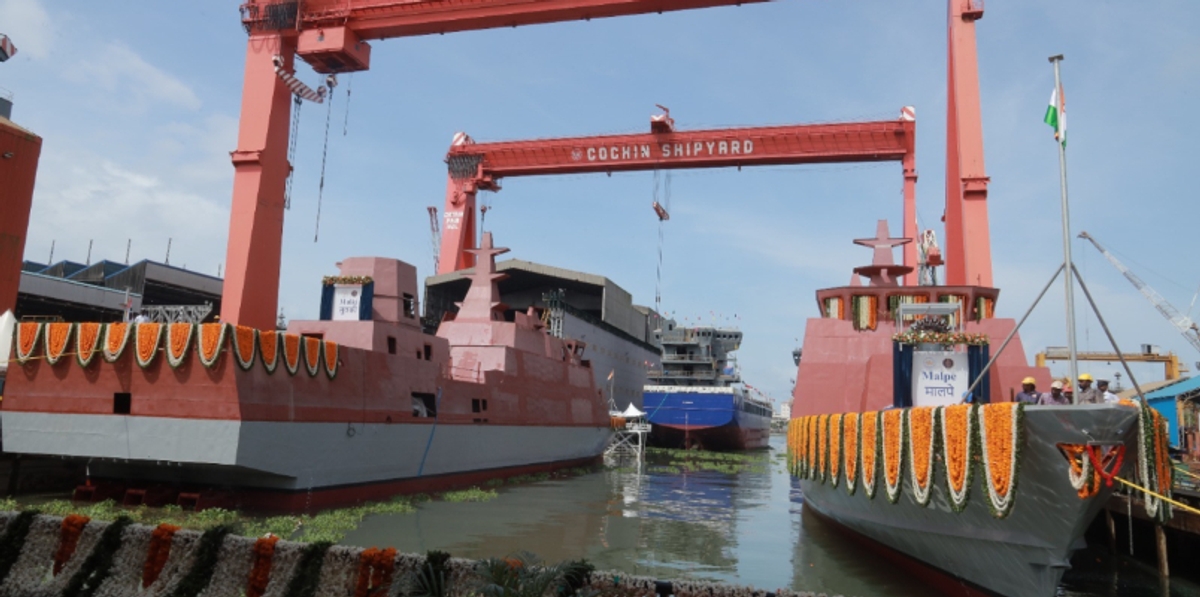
(1024, 554)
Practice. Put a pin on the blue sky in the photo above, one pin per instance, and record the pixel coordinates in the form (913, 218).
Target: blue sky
(138, 104)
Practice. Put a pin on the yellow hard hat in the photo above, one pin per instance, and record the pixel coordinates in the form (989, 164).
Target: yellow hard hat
(1028, 381)
(1085, 377)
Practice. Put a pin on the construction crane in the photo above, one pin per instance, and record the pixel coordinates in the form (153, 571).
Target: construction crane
(1172, 368)
(1184, 324)
(333, 37)
(475, 167)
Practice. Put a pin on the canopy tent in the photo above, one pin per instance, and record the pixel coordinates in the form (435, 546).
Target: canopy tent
(632, 412)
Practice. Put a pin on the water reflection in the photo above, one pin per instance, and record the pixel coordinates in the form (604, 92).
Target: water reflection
(746, 527)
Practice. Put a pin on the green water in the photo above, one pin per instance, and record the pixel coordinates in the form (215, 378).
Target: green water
(745, 527)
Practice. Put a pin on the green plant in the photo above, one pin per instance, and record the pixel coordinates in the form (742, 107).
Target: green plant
(473, 494)
(521, 575)
(432, 579)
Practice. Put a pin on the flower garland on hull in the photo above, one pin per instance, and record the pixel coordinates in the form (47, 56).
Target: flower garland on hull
(148, 337)
(87, 342)
(179, 338)
(28, 334)
(116, 337)
(896, 444)
(312, 355)
(268, 349)
(58, 338)
(291, 353)
(210, 343)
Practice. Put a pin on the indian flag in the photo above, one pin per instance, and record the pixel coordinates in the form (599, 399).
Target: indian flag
(1056, 115)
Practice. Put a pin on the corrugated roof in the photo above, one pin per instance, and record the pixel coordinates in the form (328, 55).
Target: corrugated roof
(1173, 390)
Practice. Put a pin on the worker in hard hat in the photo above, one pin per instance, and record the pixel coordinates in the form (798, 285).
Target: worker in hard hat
(1069, 392)
(1087, 393)
(1029, 393)
(1056, 395)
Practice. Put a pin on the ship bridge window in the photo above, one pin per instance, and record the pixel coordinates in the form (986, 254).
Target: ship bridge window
(410, 306)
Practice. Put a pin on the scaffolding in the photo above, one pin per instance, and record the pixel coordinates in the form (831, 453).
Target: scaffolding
(628, 439)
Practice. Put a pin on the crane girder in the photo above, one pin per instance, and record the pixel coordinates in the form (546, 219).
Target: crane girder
(888, 140)
(473, 167)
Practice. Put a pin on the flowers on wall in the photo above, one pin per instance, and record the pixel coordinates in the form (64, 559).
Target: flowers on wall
(58, 337)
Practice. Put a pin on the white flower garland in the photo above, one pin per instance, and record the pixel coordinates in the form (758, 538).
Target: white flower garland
(137, 346)
(309, 364)
(23, 357)
(216, 356)
(339, 572)
(175, 360)
(113, 355)
(921, 494)
(283, 567)
(125, 576)
(52, 357)
(1001, 506)
(34, 564)
(1147, 471)
(235, 559)
(958, 499)
(1079, 481)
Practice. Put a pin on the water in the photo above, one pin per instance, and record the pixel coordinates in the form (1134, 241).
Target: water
(746, 527)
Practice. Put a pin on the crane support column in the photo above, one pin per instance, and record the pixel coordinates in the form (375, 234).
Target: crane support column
(458, 225)
(968, 241)
(252, 261)
(909, 165)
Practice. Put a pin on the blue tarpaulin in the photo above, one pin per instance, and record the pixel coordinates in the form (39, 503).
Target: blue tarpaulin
(1164, 401)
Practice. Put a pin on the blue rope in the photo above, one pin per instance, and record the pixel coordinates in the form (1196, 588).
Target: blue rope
(437, 407)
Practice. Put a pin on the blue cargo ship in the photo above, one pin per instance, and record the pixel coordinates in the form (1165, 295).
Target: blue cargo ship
(696, 401)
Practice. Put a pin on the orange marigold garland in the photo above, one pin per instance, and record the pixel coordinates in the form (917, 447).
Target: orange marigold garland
(922, 435)
(260, 573)
(1154, 463)
(68, 539)
(959, 446)
(148, 337)
(156, 556)
(291, 353)
(27, 340)
(116, 337)
(812, 447)
(87, 341)
(179, 338)
(268, 349)
(58, 337)
(312, 355)
(211, 341)
(244, 339)
(822, 447)
(869, 438)
(376, 568)
(835, 448)
(1001, 436)
(329, 354)
(796, 447)
(892, 426)
(850, 444)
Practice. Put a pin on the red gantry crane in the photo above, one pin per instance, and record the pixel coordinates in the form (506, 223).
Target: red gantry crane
(333, 37)
(475, 167)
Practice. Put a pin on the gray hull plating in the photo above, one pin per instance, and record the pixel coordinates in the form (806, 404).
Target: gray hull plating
(290, 456)
(1022, 555)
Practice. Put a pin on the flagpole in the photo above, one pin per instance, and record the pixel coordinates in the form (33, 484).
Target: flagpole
(1068, 274)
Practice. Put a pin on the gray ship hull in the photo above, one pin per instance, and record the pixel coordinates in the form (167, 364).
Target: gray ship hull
(1022, 555)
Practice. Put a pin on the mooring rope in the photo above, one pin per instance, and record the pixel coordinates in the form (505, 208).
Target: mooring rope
(1164, 498)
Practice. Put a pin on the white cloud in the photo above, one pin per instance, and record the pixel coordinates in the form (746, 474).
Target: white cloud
(129, 81)
(28, 25)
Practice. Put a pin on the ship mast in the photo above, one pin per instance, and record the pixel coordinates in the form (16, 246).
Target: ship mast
(1068, 274)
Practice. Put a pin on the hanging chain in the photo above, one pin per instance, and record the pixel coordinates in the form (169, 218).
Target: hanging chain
(331, 82)
(658, 273)
(291, 155)
(346, 122)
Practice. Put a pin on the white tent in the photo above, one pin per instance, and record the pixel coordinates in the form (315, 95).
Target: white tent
(632, 412)
(8, 326)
